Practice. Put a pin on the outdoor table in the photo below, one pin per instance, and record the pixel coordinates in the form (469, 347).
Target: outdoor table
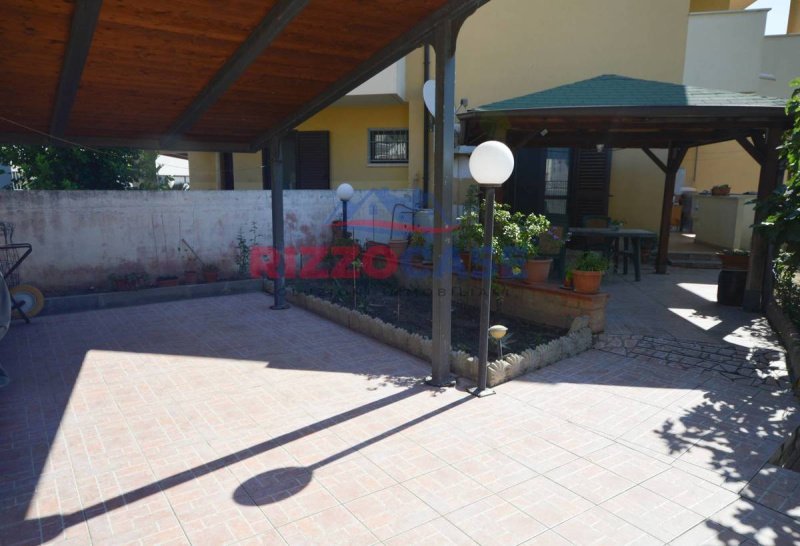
(632, 238)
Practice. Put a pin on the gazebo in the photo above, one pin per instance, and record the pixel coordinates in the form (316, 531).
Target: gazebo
(188, 75)
(622, 112)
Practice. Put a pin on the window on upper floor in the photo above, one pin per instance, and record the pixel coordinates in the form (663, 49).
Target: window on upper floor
(388, 146)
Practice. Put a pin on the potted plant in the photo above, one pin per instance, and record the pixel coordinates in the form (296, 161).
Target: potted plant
(210, 272)
(508, 247)
(190, 273)
(417, 247)
(469, 237)
(167, 280)
(568, 280)
(735, 259)
(536, 233)
(128, 281)
(588, 272)
(721, 190)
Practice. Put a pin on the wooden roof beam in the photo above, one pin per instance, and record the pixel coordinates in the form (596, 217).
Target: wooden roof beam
(657, 160)
(84, 21)
(403, 45)
(270, 27)
(755, 151)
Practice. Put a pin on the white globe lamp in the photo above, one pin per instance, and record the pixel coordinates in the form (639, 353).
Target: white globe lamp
(344, 193)
(491, 164)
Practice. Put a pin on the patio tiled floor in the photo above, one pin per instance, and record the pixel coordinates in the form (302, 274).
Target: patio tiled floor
(219, 421)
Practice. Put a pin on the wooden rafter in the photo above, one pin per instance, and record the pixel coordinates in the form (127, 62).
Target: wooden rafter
(84, 21)
(259, 40)
(452, 10)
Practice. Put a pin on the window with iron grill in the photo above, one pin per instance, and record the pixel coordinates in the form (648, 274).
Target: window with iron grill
(388, 146)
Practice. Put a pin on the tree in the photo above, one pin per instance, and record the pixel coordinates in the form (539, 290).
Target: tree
(72, 168)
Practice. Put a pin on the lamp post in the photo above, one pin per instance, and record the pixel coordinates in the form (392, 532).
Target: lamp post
(491, 164)
(344, 192)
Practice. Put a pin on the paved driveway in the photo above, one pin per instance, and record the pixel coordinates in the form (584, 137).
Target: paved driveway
(217, 420)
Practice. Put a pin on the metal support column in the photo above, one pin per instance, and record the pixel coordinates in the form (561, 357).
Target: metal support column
(444, 147)
(759, 270)
(276, 166)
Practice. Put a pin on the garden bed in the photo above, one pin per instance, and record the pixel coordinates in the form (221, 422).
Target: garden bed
(411, 309)
(532, 347)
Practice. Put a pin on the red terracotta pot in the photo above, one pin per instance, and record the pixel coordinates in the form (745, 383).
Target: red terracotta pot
(537, 270)
(587, 282)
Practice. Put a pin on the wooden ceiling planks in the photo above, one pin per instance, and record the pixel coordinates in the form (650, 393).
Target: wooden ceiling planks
(33, 38)
(150, 59)
(325, 42)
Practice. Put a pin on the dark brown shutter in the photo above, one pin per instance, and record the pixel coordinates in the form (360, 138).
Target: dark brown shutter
(313, 160)
(589, 184)
(226, 170)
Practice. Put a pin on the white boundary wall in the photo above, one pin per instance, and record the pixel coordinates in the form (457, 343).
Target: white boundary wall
(80, 237)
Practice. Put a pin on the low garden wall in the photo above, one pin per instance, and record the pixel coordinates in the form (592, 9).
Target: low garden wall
(577, 340)
(79, 238)
(541, 303)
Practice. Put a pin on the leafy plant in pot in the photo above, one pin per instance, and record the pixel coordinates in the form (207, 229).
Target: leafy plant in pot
(210, 272)
(721, 190)
(167, 280)
(509, 242)
(128, 281)
(469, 238)
(416, 247)
(538, 234)
(588, 272)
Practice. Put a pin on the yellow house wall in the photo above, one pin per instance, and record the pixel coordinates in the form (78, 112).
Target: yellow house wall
(637, 188)
(204, 170)
(513, 47)
(719, 5)
(247, 171)
(348, 126)
(793, 25)
(723, 163)
(544, 44)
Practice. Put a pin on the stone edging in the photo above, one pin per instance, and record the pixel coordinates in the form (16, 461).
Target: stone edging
(790, 338)
(577, 340)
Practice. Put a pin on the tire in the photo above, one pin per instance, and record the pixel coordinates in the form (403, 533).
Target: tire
(31, 299)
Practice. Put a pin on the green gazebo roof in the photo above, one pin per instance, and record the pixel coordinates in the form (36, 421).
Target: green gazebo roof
(613, 91)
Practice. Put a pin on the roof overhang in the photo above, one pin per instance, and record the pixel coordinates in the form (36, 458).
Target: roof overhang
(623, 127)
(188, 75)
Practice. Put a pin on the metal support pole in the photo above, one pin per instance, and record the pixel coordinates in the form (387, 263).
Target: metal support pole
(276, 165)
(344, 219)
(486, 299)
(444, 45)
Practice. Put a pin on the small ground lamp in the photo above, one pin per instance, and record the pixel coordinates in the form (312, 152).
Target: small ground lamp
(344, 193)
(498, 332)
(491, 164)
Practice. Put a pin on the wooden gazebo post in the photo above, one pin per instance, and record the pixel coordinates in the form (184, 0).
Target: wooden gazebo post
(766, 153)
(675, 157)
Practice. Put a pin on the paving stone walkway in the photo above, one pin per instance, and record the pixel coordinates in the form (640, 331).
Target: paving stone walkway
(219, 421)
(765, 368)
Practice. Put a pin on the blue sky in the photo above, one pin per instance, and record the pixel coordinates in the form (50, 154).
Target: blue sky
(777, 18)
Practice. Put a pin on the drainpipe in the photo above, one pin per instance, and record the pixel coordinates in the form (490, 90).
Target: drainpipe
(426, 133)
